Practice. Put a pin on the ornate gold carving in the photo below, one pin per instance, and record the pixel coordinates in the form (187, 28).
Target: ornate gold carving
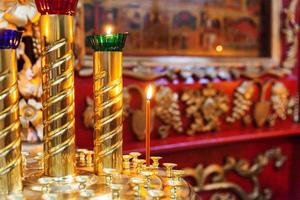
(242, 103)
(291, 35)
(213, 177)
(205, 107)
(168, 111)
(282, 103)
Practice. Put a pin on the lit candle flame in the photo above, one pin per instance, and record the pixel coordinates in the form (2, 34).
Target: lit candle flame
(109, 30)
(149, 92)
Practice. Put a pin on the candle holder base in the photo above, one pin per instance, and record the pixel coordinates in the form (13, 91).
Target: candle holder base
(139, 182)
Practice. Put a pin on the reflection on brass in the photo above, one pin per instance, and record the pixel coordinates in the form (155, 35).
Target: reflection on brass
(108, 109)
(262, 107)
(205, 106)
(58, 94)
(213, 178)
(167, 110)
(242, 102)
(291, 35)
(10, 140)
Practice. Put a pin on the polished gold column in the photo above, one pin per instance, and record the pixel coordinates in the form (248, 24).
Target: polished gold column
(58, 94)
(108, 98)
(10, 140)
(108, 86)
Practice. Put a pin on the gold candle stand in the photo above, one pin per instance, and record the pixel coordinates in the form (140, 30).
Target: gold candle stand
(10, 140)
(108, 99)
(139, 181)
(58, 94)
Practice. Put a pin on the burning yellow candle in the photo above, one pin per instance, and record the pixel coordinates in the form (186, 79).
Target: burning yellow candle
(148, 117)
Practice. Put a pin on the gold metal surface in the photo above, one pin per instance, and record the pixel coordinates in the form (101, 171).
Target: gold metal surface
(10, 140)
(58, 94)
(108, 99)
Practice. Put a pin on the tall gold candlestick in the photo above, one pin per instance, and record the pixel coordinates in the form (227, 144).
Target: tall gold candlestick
(10, 140)
(108, 98)
(57, 36)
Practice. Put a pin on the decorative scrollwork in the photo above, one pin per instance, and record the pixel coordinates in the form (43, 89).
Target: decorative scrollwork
(168, 111)
(205, 107)
(213, 179)
(291, 35)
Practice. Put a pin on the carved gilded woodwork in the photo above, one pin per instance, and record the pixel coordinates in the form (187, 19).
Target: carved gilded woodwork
(242, 103)
(283, 104)
(291, 30)
(204, 107)
(168, 111)
(213, 179)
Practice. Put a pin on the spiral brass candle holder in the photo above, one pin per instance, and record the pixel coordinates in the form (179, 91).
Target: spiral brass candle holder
(57, 38)
(10, 140)
(108, 99)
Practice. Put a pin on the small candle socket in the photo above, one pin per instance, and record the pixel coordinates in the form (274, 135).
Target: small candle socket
(135, 156)
(109, 173)
(173, 190)
(156, 194)
(178, 174)
(82, 181)
(169, 167)
(155, 161)
(81, 154)
(45, 182)
(89, 158)
(140, 163)
(147, 173)
(116, 191)
(126, 162)
(137, 185)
